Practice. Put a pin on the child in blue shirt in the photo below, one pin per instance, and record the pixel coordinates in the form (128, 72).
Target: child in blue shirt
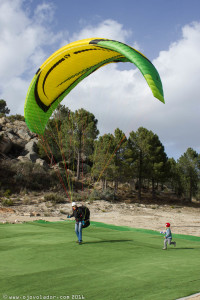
(168, 237)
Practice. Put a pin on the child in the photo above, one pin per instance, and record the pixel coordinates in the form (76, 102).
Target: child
(168, 236)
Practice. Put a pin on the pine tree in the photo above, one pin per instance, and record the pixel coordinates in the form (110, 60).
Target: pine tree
(4, 110)
(121, 165)
(189, 168)
(103, 159)
(50, 144)
(139, 144)
(157, 161)
(79, 132)
(174, 177)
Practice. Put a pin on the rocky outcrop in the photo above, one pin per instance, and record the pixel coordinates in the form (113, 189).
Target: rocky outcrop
(5, 144)
(13, 136)
(17, 142)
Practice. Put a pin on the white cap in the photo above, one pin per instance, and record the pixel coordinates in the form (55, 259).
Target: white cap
(73, 204)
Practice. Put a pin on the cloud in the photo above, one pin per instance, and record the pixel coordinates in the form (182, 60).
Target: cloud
(44, 13)
(23, 40)
(179, 68)
(110, 29)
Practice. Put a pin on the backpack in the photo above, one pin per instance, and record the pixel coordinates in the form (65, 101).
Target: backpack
(86, 216)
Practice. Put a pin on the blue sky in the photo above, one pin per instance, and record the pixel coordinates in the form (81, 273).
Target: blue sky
(167, 32)
(154, 24)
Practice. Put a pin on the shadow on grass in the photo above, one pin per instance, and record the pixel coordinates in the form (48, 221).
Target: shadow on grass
(183, 248)
(108, 241)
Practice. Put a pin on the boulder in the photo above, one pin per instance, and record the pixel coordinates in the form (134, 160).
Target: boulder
(17, 142)
(3, 121)
(23, 158)
(18, 123)
(5, 145)
(15, 139)
(31, 146)
(42, 163)
(32, 156)
(24, 134)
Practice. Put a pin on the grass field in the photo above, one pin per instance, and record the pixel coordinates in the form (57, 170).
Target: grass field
(41, 260)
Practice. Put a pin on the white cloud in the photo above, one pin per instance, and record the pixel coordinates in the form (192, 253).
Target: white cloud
(179, 68)
(44, 13)
(15, 90)
(109, 29)
(21, 47)
(106, 29)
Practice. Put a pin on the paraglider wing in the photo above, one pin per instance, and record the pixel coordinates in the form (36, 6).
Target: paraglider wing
(64, 69)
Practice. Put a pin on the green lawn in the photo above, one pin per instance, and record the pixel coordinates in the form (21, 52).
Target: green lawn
(42, 261)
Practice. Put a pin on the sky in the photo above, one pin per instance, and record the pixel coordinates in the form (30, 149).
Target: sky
(167, 32)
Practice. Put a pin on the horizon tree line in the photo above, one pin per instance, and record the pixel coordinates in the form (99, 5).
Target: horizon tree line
(73, 139)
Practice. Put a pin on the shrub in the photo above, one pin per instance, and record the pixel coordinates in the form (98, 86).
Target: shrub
(95, 195)
(7, 193)
(54, 198)
(23, 191)
(78, 197)
(7, 202)
(108, 194)
(63, 212)
(17, 175)
(32, 176)
(16, 117)
(26, 201)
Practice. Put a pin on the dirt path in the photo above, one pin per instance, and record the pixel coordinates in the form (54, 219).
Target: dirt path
(184, 220)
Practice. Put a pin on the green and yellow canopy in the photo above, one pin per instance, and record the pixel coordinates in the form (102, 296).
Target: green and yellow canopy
(64, 69)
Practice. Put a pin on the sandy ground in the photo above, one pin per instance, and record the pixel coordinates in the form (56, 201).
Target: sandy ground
(184, 220)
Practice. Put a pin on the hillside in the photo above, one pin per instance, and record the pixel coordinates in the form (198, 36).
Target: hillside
(22, 171)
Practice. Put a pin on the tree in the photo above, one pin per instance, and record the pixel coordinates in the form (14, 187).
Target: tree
(103, 159)
(189, 168)
(50, 144)
(139, 144)
(109, 163)
(174, 177)
(61, 114)
(149, 160)
(79, 132)
(120, 152)
(4, 110)
(157, 161)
